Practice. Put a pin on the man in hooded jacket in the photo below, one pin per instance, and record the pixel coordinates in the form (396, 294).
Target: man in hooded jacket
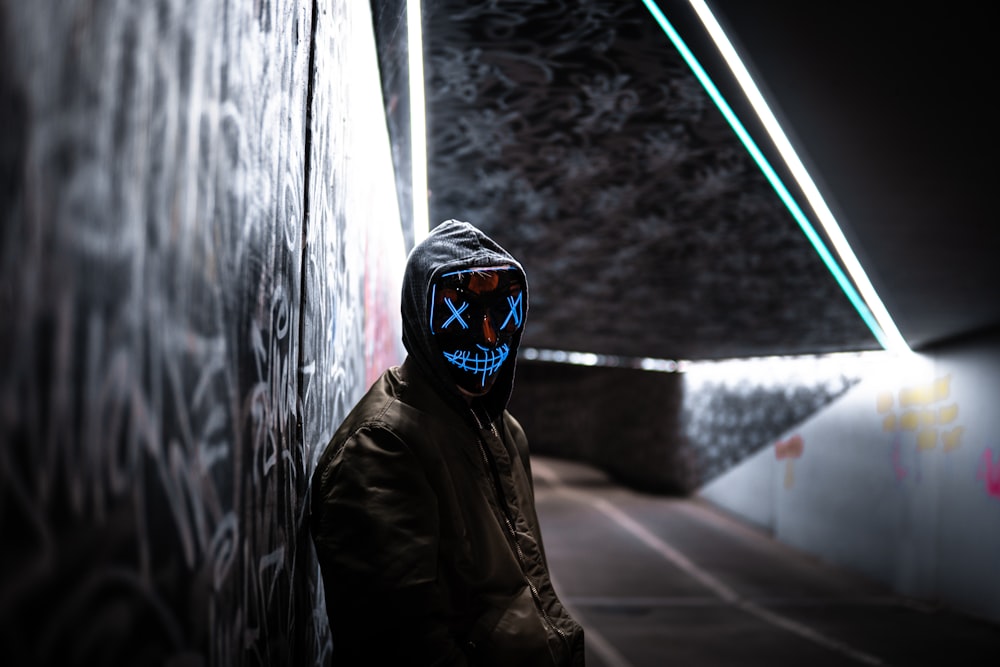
(423, 509)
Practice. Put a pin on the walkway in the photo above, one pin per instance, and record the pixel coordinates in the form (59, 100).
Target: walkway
(667, 582)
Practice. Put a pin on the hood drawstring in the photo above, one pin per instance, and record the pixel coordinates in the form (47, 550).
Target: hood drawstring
(479, 423)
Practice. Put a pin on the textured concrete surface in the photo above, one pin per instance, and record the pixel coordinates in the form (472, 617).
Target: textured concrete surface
(623, 420)
(659, 581)
(575, 134)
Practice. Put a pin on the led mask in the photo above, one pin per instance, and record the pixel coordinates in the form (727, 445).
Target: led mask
(474, 316)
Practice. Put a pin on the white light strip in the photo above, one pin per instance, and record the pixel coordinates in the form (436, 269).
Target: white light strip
(778, 371)
(418, 122)
(758, 369)
(893, 339)
(592, 359)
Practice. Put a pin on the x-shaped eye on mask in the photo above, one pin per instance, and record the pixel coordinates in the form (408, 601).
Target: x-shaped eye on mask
(515, 311)
(456, 314)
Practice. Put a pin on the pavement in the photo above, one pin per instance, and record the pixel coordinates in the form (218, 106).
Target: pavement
(659, 581)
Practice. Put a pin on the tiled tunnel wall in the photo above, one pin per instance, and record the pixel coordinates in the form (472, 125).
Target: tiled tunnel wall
(199, 274)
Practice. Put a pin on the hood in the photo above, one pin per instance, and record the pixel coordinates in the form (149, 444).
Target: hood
(452, 246)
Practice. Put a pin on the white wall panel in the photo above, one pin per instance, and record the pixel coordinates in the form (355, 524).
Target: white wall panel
(897, 479)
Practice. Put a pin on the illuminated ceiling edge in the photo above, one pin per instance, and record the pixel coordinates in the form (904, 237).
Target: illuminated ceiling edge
(418, 121)
(870, 307)
(686, 365)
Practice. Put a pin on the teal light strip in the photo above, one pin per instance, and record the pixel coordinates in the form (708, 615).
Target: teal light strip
(845, 284)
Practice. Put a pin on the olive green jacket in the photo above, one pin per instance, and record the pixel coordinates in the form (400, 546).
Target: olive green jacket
(427, 537)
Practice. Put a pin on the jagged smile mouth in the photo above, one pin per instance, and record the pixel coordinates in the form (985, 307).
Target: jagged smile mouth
(485, 362)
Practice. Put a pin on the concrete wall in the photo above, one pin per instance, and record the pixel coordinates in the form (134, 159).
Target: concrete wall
(898, 479)
(199, 270)
(623, 420)
(670, 432)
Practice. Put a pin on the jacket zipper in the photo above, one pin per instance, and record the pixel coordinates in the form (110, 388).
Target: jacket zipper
(505, 510)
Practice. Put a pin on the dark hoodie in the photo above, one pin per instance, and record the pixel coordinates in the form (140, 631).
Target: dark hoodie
(423, 508)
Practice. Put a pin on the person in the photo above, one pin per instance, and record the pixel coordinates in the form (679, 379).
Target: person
(423, 511)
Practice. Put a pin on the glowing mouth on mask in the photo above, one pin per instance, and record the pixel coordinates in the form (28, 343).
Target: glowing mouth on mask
(484, 363)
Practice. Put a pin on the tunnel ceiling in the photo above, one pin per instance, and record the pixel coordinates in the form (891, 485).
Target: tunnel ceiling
(575, 134)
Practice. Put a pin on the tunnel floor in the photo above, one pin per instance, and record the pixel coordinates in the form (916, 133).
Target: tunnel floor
(663, 581)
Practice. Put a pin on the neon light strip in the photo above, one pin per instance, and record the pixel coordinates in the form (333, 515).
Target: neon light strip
(870, 308)
(515, 310)
(430, 323)
(418, 121)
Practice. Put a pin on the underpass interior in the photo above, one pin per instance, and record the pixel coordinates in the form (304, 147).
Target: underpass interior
(207, 207)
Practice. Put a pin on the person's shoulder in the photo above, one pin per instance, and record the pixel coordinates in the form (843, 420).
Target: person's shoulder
(375, 402)
(368, 412)
(514, 426)
(392, 405)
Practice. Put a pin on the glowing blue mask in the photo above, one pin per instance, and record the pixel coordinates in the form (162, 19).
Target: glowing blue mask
(474, 316)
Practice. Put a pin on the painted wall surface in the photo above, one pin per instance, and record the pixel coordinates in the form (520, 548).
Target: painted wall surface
(899, 479)
(731, 407)
(200, 251)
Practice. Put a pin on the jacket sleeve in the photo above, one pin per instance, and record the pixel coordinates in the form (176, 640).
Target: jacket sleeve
(376, 529)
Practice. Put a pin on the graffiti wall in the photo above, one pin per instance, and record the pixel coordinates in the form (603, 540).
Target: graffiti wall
(898, 479)
(733, 407)
(191, 233)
